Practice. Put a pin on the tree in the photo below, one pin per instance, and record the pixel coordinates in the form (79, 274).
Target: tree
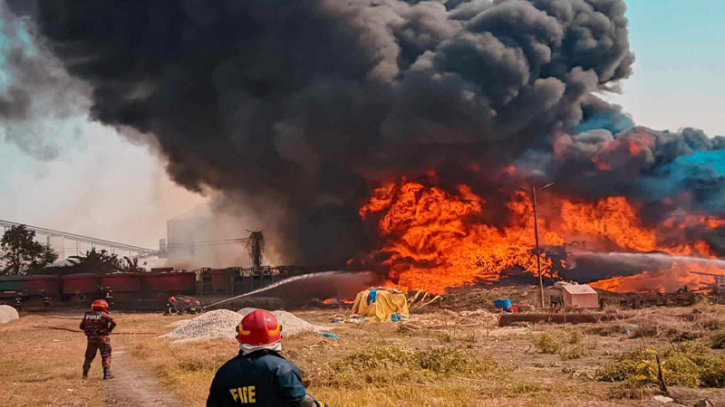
(22, 254)
(132, 266)
(96, 262)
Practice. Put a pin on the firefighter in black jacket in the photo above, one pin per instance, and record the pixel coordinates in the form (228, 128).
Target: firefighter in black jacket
(259, 375)
(98, 325)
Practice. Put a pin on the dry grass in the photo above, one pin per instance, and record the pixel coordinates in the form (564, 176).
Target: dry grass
(567, 343)
(375, 365)
(451, 360)
(41, 367)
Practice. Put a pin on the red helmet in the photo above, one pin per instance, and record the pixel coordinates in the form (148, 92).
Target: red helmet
(99, 305)
(259, 328)
(172, 299)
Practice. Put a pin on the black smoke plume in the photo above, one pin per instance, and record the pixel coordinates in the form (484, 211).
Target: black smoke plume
(296, 108)
(35, 90)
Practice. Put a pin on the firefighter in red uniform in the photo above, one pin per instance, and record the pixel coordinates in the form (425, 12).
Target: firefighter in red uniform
(98, 325)
(259, 375)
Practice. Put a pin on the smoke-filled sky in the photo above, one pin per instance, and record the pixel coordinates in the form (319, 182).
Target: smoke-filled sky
(290, 108)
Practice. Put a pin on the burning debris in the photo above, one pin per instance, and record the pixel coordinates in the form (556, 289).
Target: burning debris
(433, 239)
(421, 116)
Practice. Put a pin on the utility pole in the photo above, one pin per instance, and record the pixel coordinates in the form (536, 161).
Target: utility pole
(533, 191)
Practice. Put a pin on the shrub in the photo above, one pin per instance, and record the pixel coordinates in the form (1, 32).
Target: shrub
(718, 341)
(690, 365)
(547, 343)
(574, 352)
(441, 361)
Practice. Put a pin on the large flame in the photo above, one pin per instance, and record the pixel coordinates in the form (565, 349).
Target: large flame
(434, 239)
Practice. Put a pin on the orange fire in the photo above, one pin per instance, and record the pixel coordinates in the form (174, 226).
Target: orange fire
(434, 239)
(336, 300)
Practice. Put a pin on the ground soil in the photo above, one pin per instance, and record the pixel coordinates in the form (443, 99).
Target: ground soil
(41, 357)
(133, 387)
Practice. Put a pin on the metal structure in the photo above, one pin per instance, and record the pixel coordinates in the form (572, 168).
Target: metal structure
(237, 280)
(135, 251)
(255, 245)
(719, 278)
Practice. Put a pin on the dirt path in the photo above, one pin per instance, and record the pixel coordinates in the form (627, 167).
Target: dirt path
(133, 387)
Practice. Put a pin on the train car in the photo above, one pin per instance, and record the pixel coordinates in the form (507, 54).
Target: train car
(178, 283)
(30, 286)
(10, 286)
(123, 283)
(81, 284)
(220, 281)
(44, 286)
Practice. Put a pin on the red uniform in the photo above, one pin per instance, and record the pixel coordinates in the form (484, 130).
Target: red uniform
(98, 326)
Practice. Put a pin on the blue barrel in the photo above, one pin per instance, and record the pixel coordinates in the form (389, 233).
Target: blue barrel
(503, 304)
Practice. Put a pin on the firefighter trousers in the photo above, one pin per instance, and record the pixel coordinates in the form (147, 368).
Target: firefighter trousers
(100, 344)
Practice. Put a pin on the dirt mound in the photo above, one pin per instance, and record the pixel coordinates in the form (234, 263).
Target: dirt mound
(291, 325)
(7, 314)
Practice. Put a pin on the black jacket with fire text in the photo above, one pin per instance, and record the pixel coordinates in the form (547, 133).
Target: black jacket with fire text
(97, 323)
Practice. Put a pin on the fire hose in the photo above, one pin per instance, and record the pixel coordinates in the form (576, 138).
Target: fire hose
(58, 328)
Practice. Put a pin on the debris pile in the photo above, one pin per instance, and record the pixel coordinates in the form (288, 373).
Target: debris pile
(7, 314)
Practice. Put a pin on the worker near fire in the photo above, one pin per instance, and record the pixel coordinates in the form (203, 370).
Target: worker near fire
(259, 375)
(98, 325)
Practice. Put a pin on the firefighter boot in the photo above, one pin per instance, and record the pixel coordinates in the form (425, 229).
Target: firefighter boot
(86, 368)
(107, 373)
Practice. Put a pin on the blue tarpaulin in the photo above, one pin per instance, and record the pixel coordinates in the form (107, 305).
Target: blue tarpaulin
(373, 294)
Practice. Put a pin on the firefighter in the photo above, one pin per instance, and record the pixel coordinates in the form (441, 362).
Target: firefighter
(109, 295)
(98, 325)
(47, 300)
(259, 375)
(196, 307)
(171, 306)
(19, 300)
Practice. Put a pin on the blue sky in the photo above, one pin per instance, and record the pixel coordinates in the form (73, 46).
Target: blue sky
(679, 78)
(679, 81)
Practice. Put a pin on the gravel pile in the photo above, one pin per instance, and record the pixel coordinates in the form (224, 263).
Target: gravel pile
(222, 324)
(178, 323)
(7, 314)
(210, 325)
(291, 325)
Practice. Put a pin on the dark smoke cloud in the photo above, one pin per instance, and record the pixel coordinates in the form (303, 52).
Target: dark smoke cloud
(298, 105)
(651, 166)
(35, 90)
